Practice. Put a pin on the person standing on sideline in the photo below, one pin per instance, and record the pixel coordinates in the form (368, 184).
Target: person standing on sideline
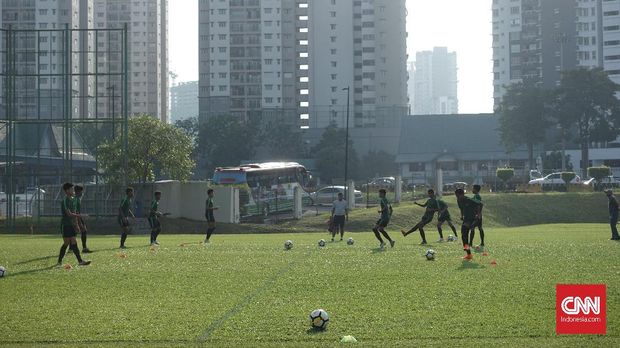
(340, 213)
(613, 214)
(209, 215)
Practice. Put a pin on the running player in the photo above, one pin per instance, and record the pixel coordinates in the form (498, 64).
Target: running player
(154, 215)
(384, 220)
(210, 208)
(124, 212)
(79, 192)
(444, 216)
(431, 208)
(470, 211)
(68, 226)
(478, 222)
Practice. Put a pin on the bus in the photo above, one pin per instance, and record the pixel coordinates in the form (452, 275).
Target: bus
(265, 188)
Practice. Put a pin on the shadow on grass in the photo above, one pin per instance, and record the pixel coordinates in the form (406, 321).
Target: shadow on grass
(315, 331)
(470, 265)
(378, 250)
(31, 271)
(69, 252)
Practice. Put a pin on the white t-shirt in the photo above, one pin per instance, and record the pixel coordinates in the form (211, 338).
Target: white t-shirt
(340, 207)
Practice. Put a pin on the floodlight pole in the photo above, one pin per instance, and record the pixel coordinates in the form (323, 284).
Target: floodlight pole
(346, 145)
(562, 40)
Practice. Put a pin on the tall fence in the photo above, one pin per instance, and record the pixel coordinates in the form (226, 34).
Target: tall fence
(64, 92)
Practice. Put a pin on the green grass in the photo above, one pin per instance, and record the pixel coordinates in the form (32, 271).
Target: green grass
(245, 290)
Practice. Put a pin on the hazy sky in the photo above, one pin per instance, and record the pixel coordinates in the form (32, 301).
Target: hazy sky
(462, 26)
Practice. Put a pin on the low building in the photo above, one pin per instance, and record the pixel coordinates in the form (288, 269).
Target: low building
(466, 147)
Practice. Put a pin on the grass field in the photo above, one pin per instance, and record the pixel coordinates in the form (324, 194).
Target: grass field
(245, 290)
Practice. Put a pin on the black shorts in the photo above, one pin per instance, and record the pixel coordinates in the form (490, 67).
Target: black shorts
(383, 222)
(210, 218)
(339, 221)
(154, 222)
(477, 222)
(83, 223)
(68, 231)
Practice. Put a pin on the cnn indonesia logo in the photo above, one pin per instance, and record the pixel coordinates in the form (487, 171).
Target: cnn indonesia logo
(580, 309)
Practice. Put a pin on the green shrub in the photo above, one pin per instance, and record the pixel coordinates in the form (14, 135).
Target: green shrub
(505, 174)
(568, 177)
(598, 173)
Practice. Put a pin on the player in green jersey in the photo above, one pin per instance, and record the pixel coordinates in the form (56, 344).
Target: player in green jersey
(68, 225)
(124, 212)
(386, 213)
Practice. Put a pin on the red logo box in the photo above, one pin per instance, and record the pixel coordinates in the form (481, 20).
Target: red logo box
(580, 309)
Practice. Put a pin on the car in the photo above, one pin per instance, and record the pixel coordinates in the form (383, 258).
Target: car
(452, 186)
(535, 174)
(606, 182)
(328, 194)
(554, 179)
(386, 183)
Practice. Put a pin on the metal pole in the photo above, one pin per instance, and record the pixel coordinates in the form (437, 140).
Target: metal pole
(125, 100)
(346, 145)
(562, 39)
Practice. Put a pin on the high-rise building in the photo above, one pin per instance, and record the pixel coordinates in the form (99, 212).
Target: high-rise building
(435, 83)
(360, 45)
(40, 38)
(410, 89)
(183, 101)
(147, 54)
(535, 40)
(611, 39)
(253, 59)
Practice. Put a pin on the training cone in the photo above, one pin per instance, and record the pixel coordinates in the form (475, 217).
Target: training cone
(485, 254)
(182, 244)
(122, 255)
(68, 266)
(152, 248)
(348, 339)
(494, 263)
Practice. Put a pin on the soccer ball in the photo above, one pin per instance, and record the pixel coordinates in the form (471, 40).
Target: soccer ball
(288, 245)
(451, 238)
(430, 254)
(350, 241)
(319, 319)
(2, 271)
(322, 243)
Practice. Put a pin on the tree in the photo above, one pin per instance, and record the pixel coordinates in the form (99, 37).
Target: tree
(330, 153)
(505, 174)
(587, 102)
(567, 177)
(383, 164)
(282, 140)
(225, 141)
(523, 118)
(189, 126)
(553, 161)
(153, 147)
(599, 173)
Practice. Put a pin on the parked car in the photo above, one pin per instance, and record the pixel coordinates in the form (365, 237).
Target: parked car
(535, 174)
(387, 183)
(452, 186)
(328, 194)
(554, 179)
(606, 182)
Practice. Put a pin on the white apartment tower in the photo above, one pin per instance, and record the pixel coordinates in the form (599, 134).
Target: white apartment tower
(254, 59)
(535, 40)
(147, 44)
(435, 83)
(360, 45)
(183, 101)
(44, 95)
